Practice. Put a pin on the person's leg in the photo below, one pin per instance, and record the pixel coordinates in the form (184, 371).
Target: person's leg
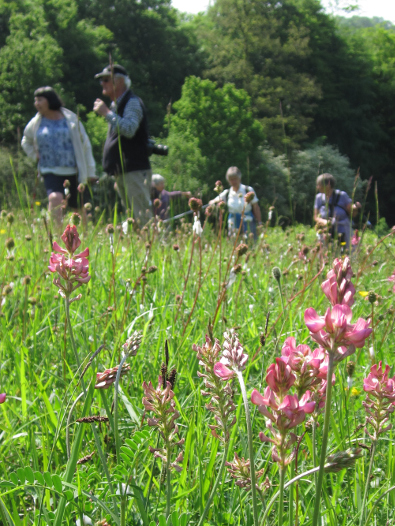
(54, 188)
(138, 185)
(55, 206)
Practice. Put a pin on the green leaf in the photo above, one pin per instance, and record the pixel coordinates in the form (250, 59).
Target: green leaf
(57, 483)
(174, 518)
(48, 479)
(39, 477)
(162, 521)
(69, 495)
(14, 478)
(21, 475)
(29, 474)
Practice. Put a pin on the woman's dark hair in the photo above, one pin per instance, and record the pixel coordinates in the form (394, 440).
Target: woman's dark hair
(54, 101)
(326, 180)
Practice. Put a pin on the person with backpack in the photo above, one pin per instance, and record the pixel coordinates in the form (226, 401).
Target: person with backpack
(234, 198)
(333, 209)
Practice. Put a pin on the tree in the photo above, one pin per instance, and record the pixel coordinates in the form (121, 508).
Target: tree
(216, 126)
(260, 47)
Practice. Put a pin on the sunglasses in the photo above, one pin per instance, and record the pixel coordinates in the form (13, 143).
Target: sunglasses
(105, 80)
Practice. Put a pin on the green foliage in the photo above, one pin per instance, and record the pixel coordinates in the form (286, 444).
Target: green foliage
(213, 128)
(296, 181)
(269, 52)
(96, 128)
(63, 43)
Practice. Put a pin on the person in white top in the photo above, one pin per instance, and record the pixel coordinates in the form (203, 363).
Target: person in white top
(56, 138)
(234, 198)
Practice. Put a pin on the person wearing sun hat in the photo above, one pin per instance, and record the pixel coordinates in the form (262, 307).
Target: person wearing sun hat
(128, 132)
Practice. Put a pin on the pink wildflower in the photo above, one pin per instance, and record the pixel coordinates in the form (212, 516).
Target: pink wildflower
(2, 398)
(285, 414)
(392, 278)
(233, 358)
(108, 377)
(380, 401)
(72, 268)
(338, 331)
(306, 365)
(279, 377)
(338, 287)
(378, 383)
(355, 239)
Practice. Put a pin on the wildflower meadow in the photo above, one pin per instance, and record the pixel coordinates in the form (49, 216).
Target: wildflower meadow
(169, 375)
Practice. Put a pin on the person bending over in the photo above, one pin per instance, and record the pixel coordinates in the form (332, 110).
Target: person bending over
(158, 191)
(57, 139)
(333, 209)
(234, 198)
(128, 132)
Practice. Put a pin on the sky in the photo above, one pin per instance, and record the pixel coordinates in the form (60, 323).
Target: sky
(370, 8)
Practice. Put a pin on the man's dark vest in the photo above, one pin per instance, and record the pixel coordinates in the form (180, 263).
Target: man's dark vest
(134, 150)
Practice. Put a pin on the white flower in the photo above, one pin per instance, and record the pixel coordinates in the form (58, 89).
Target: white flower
(349, 382)
(251, 307)
(197, 227)
(371, 352)
(125, 225)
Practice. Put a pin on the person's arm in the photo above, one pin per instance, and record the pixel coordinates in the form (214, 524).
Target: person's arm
(130, 121)
(257, 213)
(221, 197)
(318, 219)
(352, 209)
(28, 141)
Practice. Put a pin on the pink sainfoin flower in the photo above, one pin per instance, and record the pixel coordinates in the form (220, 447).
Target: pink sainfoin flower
(2, 398)
(233, 359)
(279, 377)
(355, 239)
(335, 333)
(284, 414)
(240, 471)
(338, 287)
(72, 269)
(392, 278)
(108, 377)
(307, 366)
(220, 392)
(160, 402)
(380, 401)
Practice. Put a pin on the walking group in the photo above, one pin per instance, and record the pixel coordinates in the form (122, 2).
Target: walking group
(56, 138)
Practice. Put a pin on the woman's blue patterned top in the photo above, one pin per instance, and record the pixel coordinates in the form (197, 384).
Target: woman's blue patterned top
(54, 144)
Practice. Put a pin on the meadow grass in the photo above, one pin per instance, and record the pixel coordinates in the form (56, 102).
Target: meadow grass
(122, 482)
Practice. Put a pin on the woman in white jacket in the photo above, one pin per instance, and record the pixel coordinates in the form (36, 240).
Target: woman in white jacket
(57, 139)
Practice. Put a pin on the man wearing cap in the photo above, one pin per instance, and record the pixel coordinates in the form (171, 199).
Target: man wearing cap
(128, 132)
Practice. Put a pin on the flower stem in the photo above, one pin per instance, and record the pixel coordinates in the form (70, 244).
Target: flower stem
(250, 446)
(168, 481)
(216, 483)
(281, 499)
(365, 495)
(291, 496)
(324, 444)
